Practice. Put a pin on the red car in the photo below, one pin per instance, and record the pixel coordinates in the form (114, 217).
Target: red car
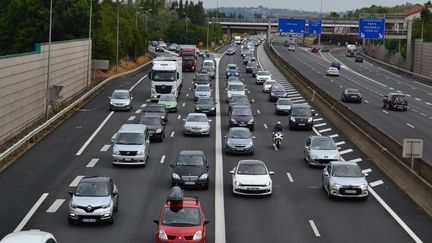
(315, 49)
(181, 220)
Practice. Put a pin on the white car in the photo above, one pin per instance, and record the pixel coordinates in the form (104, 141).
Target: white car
(332, 71)
(262, 76)
(235, 88)
(291, 48)
(251, 177)
(267, 85)
(29, 236)
(209, 63)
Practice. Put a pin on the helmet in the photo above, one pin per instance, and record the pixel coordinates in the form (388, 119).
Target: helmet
(278, 123)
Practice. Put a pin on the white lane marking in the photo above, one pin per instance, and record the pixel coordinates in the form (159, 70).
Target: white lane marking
(427, 103)
(356, 160)
(219, 185)
(296, 98)
(423, 114)
(31, 212)
(75, 182)
(143, 105)
(376, 183)
(290, 177)
(179, 116)
(187, 94)
(418, 99)
(368, 170)
(345, 151)
(248, 92)
(294, 95)
(366, 101)
(425, 85)
(292, 92)
(334, 135)
(298, 101)
(410, 125)
(258, 111)
(408, 95)
(94, 134)
(340, 143)
(314, 228)
(131, 118)
(139, 81)
(172, 134)
(105, 147)
(340, 86)
(55, 206)
(92, 163)
(320, 125)
(148, 100)
(265, 126)
(162, 159)
(385, 111)
(325, 130)
(183, 104)
(138, 111)
(391, 88)
(318, 119)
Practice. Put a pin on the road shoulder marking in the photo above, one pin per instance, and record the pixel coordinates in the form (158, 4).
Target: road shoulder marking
(31, 212)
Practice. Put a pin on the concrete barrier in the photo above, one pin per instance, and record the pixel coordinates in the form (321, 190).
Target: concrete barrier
(381, 148)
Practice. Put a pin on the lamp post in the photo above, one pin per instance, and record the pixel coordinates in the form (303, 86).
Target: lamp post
(49, 63)
(319, 36)
(421, 52)
(136, 29)
(89, 45)
(147, 11)
(208, 20)
(117, 37)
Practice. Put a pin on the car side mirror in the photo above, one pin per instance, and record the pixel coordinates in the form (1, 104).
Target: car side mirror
(113, 137)
(206, 222)
(156, 221)
(71, 192)
(271, 172)
(150, 75)
(115, 191)
(109, 97)
(253, 137)
(365, 174)
(232, 172)
(325, 172)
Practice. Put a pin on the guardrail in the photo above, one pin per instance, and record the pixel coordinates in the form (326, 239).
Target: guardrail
(381, 148)
(4, 155)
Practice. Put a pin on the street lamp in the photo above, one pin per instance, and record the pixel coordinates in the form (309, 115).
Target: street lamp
(319, 36)
(89, 45)
(49, 62)
(117, 37)
(147, 11)
(208, 23)
(136, 29)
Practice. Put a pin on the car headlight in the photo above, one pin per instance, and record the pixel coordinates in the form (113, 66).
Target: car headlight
(251, 121)
(292, 119)
(197, 235)
(116, 152)
(187, 127)
(140, 153)
(314, 156)
(111, 103)
(176, 176)
(237, 183)
(233, 121)
(197, 108)
(268, 183)
(310, 119)
(107, 205)
(163, 235)
(158, 130)
(203, 176)
(229, 95)
(73, 205)
(335, 186)
(250, 144)
(229, 143)
(364, 187)
(212, 108)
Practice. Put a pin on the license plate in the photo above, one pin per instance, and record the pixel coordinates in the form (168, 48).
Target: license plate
(89, 220)
(127, 159)
(350, 191)
(301, 124)
(240, 149)
(253, 188)
(189, 183)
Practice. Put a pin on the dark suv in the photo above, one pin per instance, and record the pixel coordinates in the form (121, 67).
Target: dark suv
(154, 125)
(395, 101)
(277, 91)
(190, 170)
(157, 109)
(301, 117)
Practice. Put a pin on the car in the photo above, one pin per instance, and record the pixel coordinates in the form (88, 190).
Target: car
(201, 53)
(235, 88)
(232, 70)
(351, 95)
(251, 177)
(209, 56)
(174, 47)
(230, 51)
(277, 91)
(196, 124)
(344, 179)
(320, 150)
(262, 76)
(131, 145)
(256, 70)
(154, 43)
(181, 219)
(162, 44)
(202, 91)
(238, 100)
(120, 100)
(190, 170)
(29, 236)
(291, 48)
(154, 125)
(209, 63)
(283, 106)
(336, 65)
(242, 116)
(301, 116)
(267, 85)
(202, 79)
(233, 78)
(95, 199)
(395, 101)
(315, 49)
(157, 109)
(325, 49)
(239, 140)
(358, 59)
(286, 43)
(159, 48)
(170, 102)
(251, 66)
(206, 105)
(209, 70)
(249, 58)
(332, 71)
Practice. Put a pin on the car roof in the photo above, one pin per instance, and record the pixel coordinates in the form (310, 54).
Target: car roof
(239, 129)
(33, 236)
(235, 82)
(191, 152)
(155, 115)
(95, 179)
(197, 114)
(244, 107)
(251, 162)
(347, 162)
(121, 91)
(301, 106)
(132, 128)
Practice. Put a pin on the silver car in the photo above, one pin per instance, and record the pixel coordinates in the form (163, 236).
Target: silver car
(262, 76)
(196, 124)
(121, 100)
(320, 150)
(131, 145)
(283, 106)
(94, 200)
(344, 179)
(202, 91)
(239, 141)
(235, 88)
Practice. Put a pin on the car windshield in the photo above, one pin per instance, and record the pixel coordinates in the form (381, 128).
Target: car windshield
(239, 134)
(202, 101)
(242, 112)
(197, 119)
(129, 138)
(120, 95)
(209, 64)
(236, 87)
(200, 77)
(346, 170)
(251, 169)
(150, 120)
(181, 217)
(233, 78)
(352, 91)
(155, 109)
(232, 68)
(251, 64)
(208, 69)
(305, 112)
(164, 75)
(203, 88)
(278, 88)
(264, 73)
(239, 99)
(92, 189)
(188, 57)
(323, 144)
(167, 98)
(284, 102)
(190, 160)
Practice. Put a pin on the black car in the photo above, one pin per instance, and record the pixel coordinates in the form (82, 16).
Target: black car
(190, 170)
(395, 101)
(202, 79)
(358, 59)
(238, 100)
(351, 95)
(277, 91)
(206, 105)
(241, 116)
(159, 48)
(158, 109)
(301, 117)
(154, 125)
(251, 66)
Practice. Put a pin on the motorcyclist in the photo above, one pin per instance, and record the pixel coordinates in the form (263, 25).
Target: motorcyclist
(278, 128)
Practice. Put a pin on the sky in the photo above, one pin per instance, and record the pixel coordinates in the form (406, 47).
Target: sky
(306, 5)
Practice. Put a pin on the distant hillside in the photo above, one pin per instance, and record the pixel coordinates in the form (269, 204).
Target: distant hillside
(265, 12)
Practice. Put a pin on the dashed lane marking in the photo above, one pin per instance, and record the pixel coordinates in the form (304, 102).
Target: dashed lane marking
(105, 147)
(143, 105)
(376, 183)
(258, 111)
(320, 125)
(385, 111)
(368, 170)
(296, 98)
(427, 103)
(334, 135)
(290, 177)
(92, 163)
(418, 99)
(172, 134)
(340, 143)
(314, 228)
(148, 100)
(55, 206)
(366, 101)
(410, 125)
(265, 126)
(318, 119)
(345, 151)
(31, 212)
(187, 94)
(75, 182)
(325, 130)
(356, 160)
(131, 118)
(179, 116)
(138, 111)
(299, 101)
(293, 95)
(162, 159)
(183, 104)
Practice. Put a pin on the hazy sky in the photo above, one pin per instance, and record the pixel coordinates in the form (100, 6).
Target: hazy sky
(307, 5)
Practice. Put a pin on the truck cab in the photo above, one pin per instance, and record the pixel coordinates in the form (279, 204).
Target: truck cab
(166, 77)
(189, 59)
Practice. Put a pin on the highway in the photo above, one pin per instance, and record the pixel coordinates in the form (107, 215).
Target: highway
(298, 211)
(373, 82)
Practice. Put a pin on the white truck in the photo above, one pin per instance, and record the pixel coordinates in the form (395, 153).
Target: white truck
(166, 76)
(237, 40)
(351, 50)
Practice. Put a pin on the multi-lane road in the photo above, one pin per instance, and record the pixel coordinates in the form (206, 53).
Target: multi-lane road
(34, 189)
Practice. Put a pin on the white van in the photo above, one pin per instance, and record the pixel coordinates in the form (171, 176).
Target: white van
(131, 145)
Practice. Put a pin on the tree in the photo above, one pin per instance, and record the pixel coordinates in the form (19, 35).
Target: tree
(334, 14)
(258, 15)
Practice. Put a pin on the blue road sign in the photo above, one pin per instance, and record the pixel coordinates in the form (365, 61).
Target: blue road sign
(314, 26)
(371, 28)
(292, 25)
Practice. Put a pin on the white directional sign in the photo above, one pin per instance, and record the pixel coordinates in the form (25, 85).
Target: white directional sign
(412, 148)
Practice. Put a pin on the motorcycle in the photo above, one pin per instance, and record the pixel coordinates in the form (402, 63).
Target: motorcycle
(277, 139)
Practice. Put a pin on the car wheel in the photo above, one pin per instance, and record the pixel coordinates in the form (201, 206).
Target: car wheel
(116, 206)
(71, 221)
(329, 195)
(111, 221)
